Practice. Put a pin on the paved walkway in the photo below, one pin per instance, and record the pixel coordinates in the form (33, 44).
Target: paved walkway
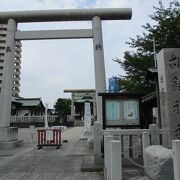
(49, 163)
(29, 163)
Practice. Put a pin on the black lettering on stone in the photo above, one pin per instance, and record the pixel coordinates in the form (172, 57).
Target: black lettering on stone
(176, 107)
(177, 132)
(8, 49)
(174, 62)
(175, 83)
(161, 79)
(98, 46)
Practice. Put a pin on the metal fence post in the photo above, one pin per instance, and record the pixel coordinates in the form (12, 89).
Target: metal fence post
(116, 160)
(176, 158)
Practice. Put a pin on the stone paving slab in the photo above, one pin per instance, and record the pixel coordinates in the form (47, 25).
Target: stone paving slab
(47, 176)
(2, 175)
(88, 165)
(131, 173)
(80, 176)
(31, 176)
(14, 175)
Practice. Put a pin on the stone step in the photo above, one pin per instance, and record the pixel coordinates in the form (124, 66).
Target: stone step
(79, 123)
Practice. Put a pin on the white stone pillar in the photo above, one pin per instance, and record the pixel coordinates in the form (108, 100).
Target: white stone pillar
(155, 139)
(72, 107)
(145, 141)
(107, 139)
(176, 158)
(97, 133)
(116, 160)
(46, 119)
(8, 70)
(99, 67)
(94, 106)
(107, 154)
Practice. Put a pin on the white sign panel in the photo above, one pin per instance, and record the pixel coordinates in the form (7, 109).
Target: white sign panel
(130, 110)
(161, 73)
(112, 111)
(87, 116)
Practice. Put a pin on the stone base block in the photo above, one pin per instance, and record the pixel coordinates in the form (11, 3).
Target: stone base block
(90, 143)
(86, 135)
(158, 162)
(11, 144)
(9, 138)
(8, 134)
(79, 123)
(88, 165)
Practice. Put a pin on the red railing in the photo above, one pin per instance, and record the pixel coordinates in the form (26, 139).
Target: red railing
(49, 137)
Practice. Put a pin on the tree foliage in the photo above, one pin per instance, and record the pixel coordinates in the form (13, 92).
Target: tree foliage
(62, 109)
(136, 63)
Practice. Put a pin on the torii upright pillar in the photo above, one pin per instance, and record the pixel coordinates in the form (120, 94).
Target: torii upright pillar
(72, 107)
(99, 67)
(100, 83)
(8, 135)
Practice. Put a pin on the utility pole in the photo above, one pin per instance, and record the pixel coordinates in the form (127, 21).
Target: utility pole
(158, 121)
(154, 50)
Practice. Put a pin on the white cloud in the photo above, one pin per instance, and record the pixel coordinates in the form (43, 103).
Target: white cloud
(57, 64)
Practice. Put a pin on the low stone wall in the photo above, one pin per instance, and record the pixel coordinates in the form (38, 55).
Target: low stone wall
(158, 163)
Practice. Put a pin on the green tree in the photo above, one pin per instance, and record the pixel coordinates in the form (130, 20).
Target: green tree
(62, 109)
(136, 63)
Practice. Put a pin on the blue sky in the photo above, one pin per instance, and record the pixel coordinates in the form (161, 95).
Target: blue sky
(50, 66)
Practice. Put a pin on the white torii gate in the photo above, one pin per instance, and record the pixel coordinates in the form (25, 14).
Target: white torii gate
(12, 18)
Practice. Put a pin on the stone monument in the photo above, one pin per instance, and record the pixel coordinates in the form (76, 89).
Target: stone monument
(168, 61)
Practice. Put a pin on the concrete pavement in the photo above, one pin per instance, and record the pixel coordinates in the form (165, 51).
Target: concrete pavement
(49, 163)
(29, 163)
